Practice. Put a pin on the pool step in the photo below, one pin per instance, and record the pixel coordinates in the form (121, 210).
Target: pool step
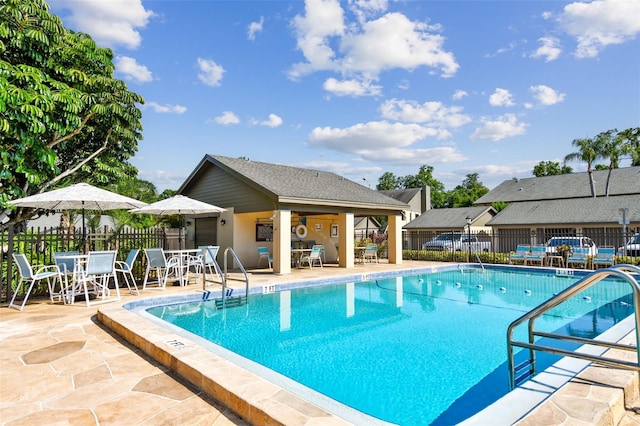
(230, 302)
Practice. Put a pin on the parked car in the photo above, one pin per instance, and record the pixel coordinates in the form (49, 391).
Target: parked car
(632, 247)
(554, 242)
(457, 241)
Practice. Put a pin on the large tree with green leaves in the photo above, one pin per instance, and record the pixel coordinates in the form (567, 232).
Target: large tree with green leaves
(467, 193)
(424, 177)
(64, 118)
(550, 168)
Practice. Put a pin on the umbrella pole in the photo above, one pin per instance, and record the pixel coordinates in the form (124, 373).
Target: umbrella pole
(84, 232)
(180, 231)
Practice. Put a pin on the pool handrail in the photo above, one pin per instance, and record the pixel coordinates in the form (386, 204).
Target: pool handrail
(225, 276)
(621, 271)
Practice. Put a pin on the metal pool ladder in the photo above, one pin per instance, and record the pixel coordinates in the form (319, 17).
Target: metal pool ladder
(519, 373)
(227, 300)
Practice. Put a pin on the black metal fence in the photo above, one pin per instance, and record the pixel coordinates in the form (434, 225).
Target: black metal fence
(40, 244)
(503, 241)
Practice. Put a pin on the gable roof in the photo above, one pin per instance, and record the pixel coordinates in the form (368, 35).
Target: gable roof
(624, 181)
(571, 212)
(402, 195)
(448, 218)
(294, 185)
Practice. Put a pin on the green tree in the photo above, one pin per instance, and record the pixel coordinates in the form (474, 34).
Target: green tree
(469, 191)
(631, 144)
(63, 117)
(589, 152)
(425, 177)
(387, 182)
(550, 168)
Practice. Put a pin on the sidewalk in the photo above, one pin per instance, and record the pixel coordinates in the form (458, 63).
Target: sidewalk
(58, 365)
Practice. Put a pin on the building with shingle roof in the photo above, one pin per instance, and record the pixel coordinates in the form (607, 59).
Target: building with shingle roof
(541, 207)
(275, 205)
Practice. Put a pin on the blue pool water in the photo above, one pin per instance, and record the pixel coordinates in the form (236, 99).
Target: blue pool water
(411, 350)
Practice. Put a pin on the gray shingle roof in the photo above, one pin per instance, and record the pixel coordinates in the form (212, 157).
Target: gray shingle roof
(305, 184)
(574, 185)
(574, 211)
(402, 195)
(443, 218)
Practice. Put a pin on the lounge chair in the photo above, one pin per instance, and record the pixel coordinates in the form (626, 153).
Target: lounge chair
(370, 252)
(538, 254)
(580, 256)
(263, 253)
(312, 258)
(605, 256)
(27, 275)
(520, 255)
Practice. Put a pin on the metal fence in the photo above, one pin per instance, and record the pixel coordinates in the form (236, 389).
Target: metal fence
(504, 241)
(40, 244)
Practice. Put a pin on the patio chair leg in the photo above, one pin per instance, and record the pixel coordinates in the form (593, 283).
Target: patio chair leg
(24, 301)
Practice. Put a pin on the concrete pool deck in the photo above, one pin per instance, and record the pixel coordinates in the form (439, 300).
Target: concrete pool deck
(60, 365)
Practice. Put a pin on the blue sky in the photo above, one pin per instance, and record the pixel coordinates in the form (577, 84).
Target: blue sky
(365, 87)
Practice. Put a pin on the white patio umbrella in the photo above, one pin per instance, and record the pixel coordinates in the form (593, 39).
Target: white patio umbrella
(180, 205)
(79, 196)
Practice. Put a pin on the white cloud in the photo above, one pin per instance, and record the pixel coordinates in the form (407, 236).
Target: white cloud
(351, 87)
(366, 8)
(273, 121)
(545, 95)
(255, 27)
(367, 47)
(431, 113)
(210, 72)
(500, 51)
(495, 130)
(501, 97)
(459, 94)
(372, 135)
(132, 70)
(549, 50)
(393, 41)
(379, 141)
(600, 23)
(391, 143)
(227, 118)
(323, 19)
(110, 23)
(166, 109)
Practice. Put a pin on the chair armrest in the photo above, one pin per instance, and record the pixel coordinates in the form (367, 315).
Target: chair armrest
(40, 269)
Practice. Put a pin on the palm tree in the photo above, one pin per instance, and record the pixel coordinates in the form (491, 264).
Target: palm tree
(589, 152)
(611, 146)
(630, 139)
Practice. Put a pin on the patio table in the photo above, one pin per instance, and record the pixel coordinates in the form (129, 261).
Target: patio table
(182, 256)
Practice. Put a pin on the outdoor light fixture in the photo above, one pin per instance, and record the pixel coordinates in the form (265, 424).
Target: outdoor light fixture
(222, 222)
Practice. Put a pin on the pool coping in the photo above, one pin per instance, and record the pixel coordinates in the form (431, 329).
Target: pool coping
(261, 401)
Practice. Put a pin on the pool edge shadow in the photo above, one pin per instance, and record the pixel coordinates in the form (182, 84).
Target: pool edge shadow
(249, 396)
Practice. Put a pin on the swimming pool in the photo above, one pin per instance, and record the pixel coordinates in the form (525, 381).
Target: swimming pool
(403, 344)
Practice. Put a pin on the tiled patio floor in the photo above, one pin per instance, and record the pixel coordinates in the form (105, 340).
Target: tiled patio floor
(60, 366)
